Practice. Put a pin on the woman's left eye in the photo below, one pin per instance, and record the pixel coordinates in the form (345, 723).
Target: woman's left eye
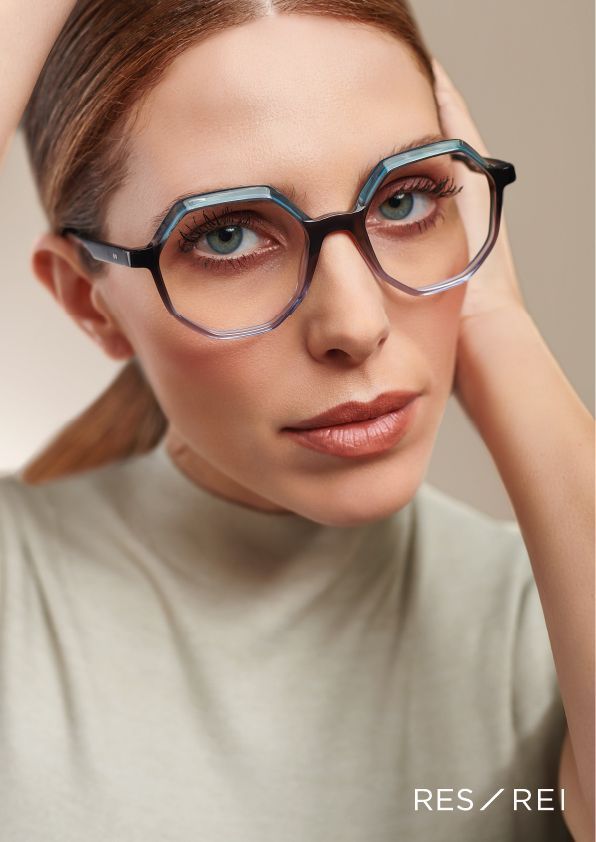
(399, 206)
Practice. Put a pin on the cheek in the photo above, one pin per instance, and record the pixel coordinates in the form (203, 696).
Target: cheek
(202, 380)
(438, 329)
(210, 389)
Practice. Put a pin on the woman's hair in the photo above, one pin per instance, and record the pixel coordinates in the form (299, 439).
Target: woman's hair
(106, 60)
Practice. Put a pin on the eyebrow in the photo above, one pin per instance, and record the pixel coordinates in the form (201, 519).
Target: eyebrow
(289, 190)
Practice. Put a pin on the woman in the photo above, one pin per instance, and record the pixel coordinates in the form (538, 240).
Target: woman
(218, 625)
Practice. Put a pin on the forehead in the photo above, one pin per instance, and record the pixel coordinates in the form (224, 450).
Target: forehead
(301, 100)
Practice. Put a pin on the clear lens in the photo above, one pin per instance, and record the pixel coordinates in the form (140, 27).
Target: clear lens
(428, 220)
(238, 265)
(234, 265)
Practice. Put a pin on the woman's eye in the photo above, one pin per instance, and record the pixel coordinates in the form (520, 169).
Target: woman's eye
(400, 205)
(227, 241)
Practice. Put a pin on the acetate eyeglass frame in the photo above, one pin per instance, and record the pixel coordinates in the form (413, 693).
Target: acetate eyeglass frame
(499, 174)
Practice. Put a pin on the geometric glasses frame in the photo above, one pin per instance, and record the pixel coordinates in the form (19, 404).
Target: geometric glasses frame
(499, 174)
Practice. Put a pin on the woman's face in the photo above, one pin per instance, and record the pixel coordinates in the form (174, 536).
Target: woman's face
(308, 101)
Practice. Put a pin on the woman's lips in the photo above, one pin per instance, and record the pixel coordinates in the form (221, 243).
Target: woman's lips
(352, 411)
(358, 438)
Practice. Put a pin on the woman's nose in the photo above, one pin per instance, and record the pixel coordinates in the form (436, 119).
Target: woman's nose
(344, 312)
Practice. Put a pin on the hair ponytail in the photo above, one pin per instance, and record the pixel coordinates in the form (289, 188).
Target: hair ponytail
(124, 420)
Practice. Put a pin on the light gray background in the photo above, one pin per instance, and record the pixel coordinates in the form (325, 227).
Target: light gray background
(526, 71)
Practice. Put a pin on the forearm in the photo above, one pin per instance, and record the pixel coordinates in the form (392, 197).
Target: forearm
(27, 34)
(541, 437)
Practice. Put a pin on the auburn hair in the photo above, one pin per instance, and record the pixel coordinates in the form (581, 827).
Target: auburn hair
(106, 59)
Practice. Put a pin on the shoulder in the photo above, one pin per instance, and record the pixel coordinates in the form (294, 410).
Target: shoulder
(73, 534)
(476, 574)
(472, 572)
(464, 540)
(43, 506)
(45, 520)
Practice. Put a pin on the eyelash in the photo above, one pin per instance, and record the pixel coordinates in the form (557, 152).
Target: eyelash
(196, 231)
(216, 221)
(228, 217)
(422, 184)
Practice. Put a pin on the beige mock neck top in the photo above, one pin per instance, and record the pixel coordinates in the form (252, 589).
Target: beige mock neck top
(175, 666)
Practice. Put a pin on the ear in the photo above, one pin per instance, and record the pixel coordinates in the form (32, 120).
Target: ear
(56, 263)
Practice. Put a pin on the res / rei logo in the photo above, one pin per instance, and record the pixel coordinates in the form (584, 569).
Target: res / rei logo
(443, 799)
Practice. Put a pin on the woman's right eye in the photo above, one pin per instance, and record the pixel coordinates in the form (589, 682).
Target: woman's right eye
(221, 241)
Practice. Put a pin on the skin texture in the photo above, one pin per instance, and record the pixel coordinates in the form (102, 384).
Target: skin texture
(351, 338)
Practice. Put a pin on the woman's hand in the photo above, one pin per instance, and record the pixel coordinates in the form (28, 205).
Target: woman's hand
(495, 284)
(26, 39)
(493, 293)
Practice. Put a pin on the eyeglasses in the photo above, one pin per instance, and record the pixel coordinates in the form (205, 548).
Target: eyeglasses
(237, 262)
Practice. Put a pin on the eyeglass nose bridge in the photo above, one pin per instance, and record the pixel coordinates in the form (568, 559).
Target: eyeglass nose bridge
(352, 222)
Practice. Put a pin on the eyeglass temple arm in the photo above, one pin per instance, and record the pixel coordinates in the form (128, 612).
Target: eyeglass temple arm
(110, 253)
